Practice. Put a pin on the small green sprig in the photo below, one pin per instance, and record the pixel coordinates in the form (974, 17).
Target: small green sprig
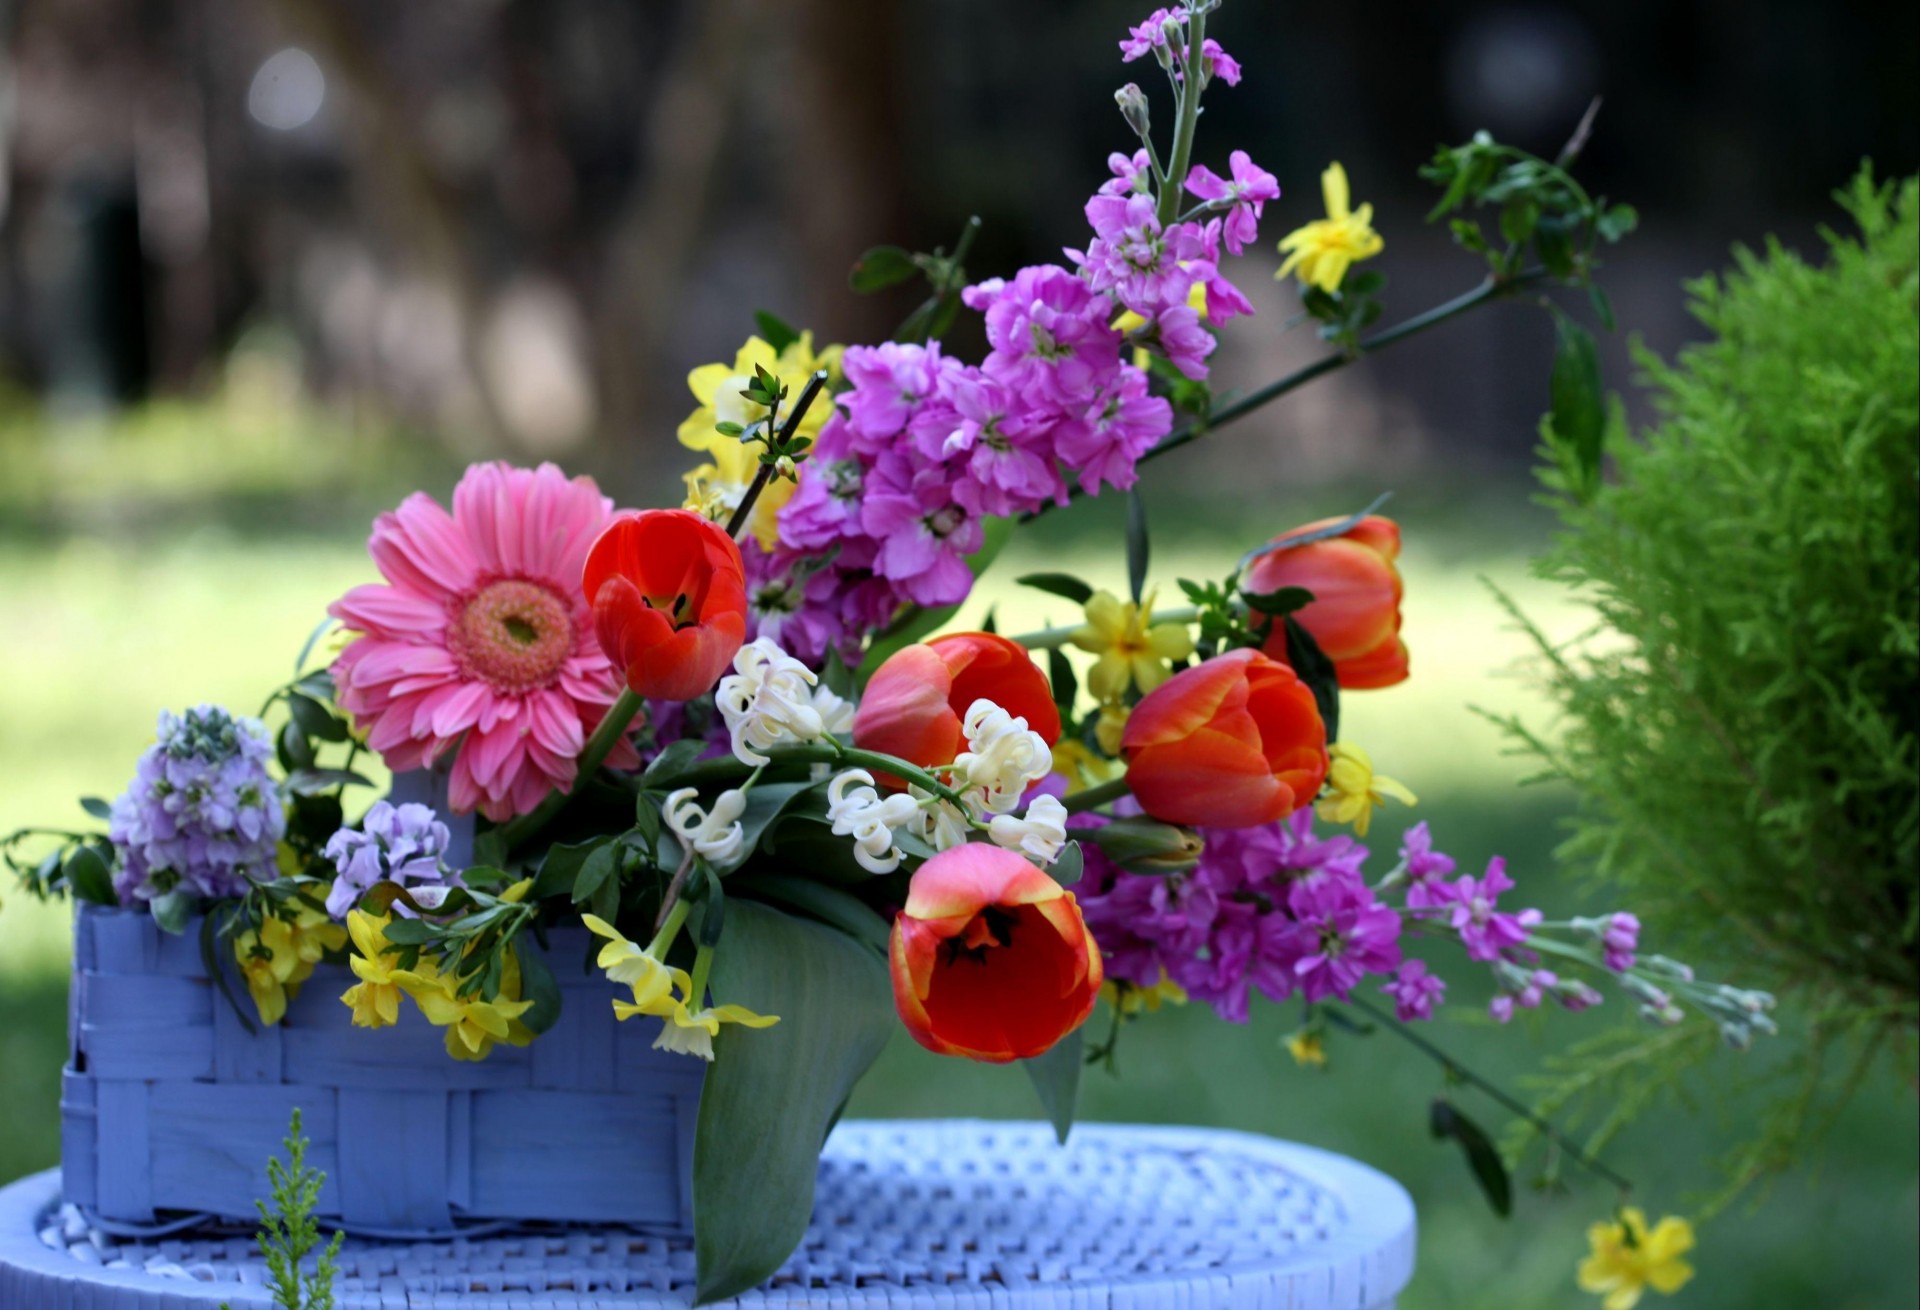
(288, 1231)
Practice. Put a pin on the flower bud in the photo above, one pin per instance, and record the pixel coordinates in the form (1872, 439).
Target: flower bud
(1133, 107)
(1143, 845)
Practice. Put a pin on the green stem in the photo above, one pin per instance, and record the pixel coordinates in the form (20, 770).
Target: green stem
(697, 985)
(619, 717)
(669, 929)
(960, 249)
(1457, 1070)
(1094, 797)
(1055, 638)
(764, 474)
(1189, 117)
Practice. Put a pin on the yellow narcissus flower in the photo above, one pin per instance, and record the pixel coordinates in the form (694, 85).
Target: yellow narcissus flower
(1354, 790)
(653, 980)
(1308, 1049)
(1324, 249)
(715, 488)
(1082, 766)
(473, 1023)
(692, 1032)
(375, 999)
(1130, 998)
(1627, 1259)
(1133, 650)
(280, 955)
(1111, 726)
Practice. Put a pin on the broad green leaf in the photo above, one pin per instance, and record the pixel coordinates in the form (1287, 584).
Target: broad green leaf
(172, 911)
(1056, 1077)
(816, 900)
(771, 1094)
(765, 804)
(1318, 672)
(1066, 685)
(315, 719)
(774, 330)
(881, 267)
(1139, 551)
(311, 782)
(89, 878)
(537, 985)
(296, 752)
(1070, 864)
(595, 871)
(672, 761)
(1064, 585)
(98, 808)
(306, 647)
(1445, 1120)
(1278, 603)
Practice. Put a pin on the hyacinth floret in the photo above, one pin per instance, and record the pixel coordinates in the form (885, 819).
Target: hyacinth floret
(201, 813)
(404, 844)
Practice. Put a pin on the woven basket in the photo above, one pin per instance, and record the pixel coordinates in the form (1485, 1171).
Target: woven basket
(168, 1103)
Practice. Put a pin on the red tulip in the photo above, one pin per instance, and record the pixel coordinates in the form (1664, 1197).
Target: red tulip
(669, 601)
(1355, 612)
(914, 703)
(1232, 743)
(991, 959)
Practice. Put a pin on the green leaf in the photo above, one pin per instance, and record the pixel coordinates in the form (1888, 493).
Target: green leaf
(1056, 1077)
(774, 330)
(313, 639)
(172, 911)
(409, 932)
(916, 327)
(944, 312)
(1068, 865)
(1518, 220)
(1602, 306)
(98, 808)
(1279, 603)
(295, 751)
(882, 267)
(816, 900)
(1318, 672)
(311, 782)
(672, 761)
(772, 1093)
(594, 872)
(917, 623)
(1616, 222)
(1579, 415)
(1138, 548)
(1445, 1120)
(1066, 686)
(537, 985)
(88, 876)
(314, 718)
(765, 804)
(1064, 585)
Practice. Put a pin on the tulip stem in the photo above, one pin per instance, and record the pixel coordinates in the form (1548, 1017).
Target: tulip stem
(1093, 798)
(619, 717)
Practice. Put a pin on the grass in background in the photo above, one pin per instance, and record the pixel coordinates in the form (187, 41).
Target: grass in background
(101, 639)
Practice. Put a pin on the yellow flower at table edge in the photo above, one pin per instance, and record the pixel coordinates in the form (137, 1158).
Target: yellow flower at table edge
(691, 1032)
(651, 979)
(293, 948)
(715, 488)
(375, 999)
(1131, 998)
(1324, 249)
(1308, 1049)
(1354, 790)
(1132, 650)
(1620, 1272)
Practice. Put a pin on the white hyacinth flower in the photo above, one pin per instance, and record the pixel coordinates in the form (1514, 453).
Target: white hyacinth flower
(942, 824)
(767, 699)
(1040, 835)
(1003, 757)
(861, 813)
(714, 834)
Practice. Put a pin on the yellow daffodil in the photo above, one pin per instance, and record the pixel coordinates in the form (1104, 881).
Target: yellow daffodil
(1627, 1259)
(375, 999)
(1354, 790)
(1307, 1049)
(473, 1023)
(692, 1032)
(1111, 724)
(281, 954)
(1129, 998)
(1133, 650)
(1324, 249)
(716, 487)
(652, 980)
(1082, 766)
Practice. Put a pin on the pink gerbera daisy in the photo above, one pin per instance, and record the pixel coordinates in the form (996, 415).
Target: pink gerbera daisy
(480, 639)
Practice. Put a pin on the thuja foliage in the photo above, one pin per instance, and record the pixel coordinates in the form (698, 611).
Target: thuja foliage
(288, 1231)
(1741, 726)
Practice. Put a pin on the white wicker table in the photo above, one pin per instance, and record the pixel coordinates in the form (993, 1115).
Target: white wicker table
(909, 1213)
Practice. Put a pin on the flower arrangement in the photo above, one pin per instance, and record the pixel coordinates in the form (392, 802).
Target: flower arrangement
(731, 741)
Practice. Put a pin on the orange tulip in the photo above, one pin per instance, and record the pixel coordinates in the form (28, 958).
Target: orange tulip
(669, 600)
(1355, 612)
(991, 959)
(1232, 743)
(914, 703)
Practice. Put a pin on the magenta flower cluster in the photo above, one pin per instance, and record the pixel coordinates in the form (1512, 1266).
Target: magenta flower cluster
(924, 448)
(1279, 910)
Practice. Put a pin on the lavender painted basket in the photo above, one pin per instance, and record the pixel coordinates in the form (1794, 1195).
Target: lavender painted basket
(169, 1104)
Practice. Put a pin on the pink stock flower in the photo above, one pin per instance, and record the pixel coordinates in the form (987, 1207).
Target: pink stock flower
(1183, 340)
(1147, 267)
(924, 536)
(1106, 447)
(1144, 38)
(1132, 175)
(1484, 930)
(996, 444)
(1244, 197)
(1415, 992)
(1219, 63)
(1619, 939)
(480, 638)
(1340, 933)
(1427, 870)
(1049, 333)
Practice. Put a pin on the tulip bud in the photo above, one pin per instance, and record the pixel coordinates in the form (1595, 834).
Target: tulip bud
(916, 701)
(1133, 107)
(1143, 845)
(1354, 616)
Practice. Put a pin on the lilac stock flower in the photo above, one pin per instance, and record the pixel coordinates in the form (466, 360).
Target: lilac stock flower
(1049, 333)
(1243, 197)
(1132, 174)
(889, 382)
(201, 813)
(1125, 424)
(1183, 341)
(1145, 38)
(1339, 935)
(1147, 267)
(394, 843)
(1484, 930)
(924, 536)
(1415, 991)
(998, 446)
(1220, 64)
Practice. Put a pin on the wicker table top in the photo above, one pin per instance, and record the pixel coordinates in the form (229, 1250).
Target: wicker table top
(909, 1213)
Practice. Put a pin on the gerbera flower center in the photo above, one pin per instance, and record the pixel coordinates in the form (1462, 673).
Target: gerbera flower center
(512, 634)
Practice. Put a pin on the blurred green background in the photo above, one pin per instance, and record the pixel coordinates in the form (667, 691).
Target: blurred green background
(160, 602)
